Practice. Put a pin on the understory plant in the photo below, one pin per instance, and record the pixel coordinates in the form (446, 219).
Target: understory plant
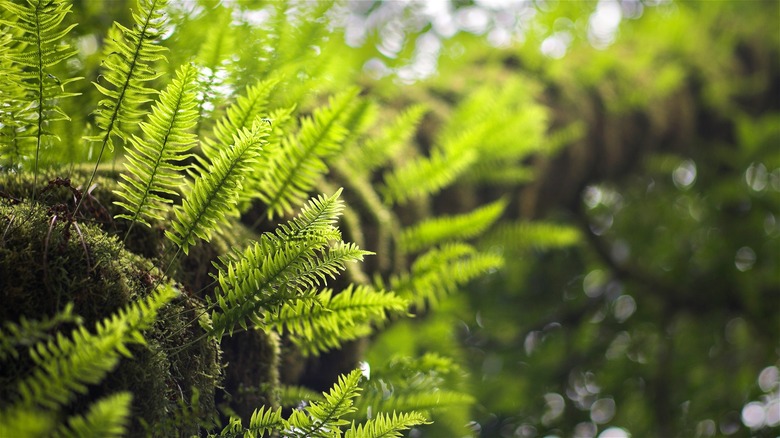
(186, 255)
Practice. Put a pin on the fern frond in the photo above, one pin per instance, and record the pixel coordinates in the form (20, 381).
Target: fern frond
(151, 169)
(26, 422)
(423, 384)
(322, 418)
(65, 366)
(38, 47)
(386, 425)
(388, 143)
(298, 162)
(107, 417)
(214, 194)
(440, 271)
(525, 235)
(250, 106)
(28, 332)
(127, 68)
(447, 228)
(281, 265)
(332, 319)
(428, 175)
(326, 415)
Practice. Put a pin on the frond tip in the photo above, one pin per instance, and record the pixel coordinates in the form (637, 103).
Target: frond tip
(281, 266)
(215, 193)
(151, 166)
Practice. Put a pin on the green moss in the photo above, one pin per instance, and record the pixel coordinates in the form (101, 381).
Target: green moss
(48, 260)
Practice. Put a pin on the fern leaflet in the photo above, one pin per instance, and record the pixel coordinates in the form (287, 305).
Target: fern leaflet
(168, 137)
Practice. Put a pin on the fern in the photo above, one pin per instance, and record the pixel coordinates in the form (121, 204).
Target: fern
(329, 320)
(38, 47)
(107, 417)
(323, 416)
(28, 332)
(447, 228)
(524, 235)
(127, 69)
(152, 173)
(282, 265)
(296, 165)
(390, 142)
(428, 175)
(65, 366)
(386, 426)
(214, 194)
(440, 271)
(418, 384)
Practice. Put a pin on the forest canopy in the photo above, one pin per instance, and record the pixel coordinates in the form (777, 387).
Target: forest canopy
(428, 219)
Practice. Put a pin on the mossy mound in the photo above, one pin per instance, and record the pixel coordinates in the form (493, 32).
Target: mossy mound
(48, 258)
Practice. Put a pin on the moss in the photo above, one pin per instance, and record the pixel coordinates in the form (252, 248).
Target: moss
(178, 364)
(47, 260)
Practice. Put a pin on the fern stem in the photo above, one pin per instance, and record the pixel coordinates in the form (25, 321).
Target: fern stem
(40, 98)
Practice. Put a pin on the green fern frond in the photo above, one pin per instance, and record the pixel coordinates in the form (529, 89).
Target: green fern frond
(214, 195)
(295, 166)
(127, 68)
(28, 332)
(65, 366)
(250, 106)
(332, 319)
(447, 228)
(386, 425)
(419, 384)
(262, 421)
(37, 47)
(281, 265)
(428, 175)
(388, 143)
(327, 414)
(440, 271)
(26, 422)
(107, 417)
(151, 169)
(525, 235)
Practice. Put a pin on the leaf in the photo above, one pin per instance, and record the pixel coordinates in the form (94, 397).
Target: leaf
(152, 173)
(214, 195)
